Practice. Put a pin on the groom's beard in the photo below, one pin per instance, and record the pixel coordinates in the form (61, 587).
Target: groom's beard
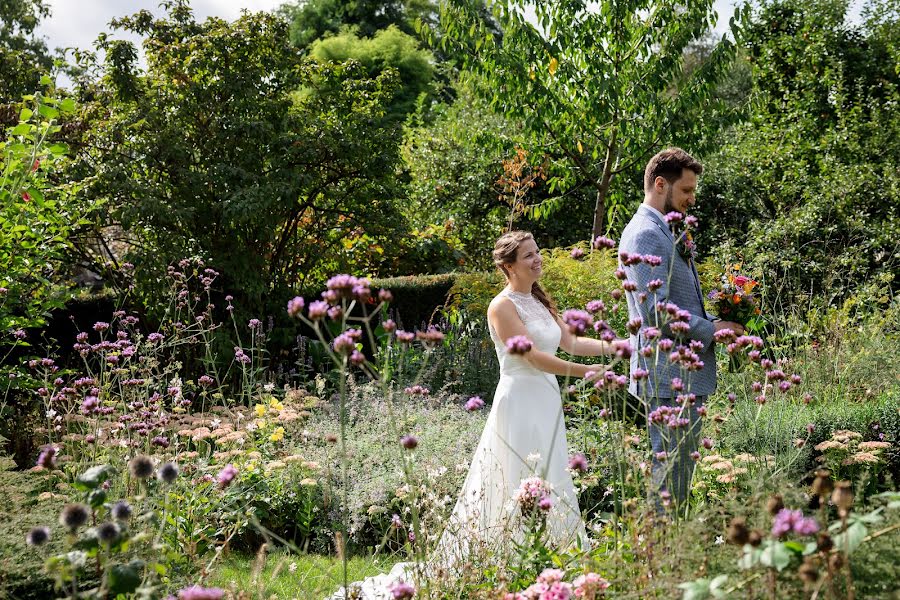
(668, 205)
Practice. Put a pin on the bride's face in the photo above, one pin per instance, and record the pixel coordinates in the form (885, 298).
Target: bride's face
(528, 264)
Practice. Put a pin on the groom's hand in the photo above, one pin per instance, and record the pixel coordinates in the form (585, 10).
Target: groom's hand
(737, 328)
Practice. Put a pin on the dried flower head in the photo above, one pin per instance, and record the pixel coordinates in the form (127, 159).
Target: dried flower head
(121, 511)
(737, 533)
(141, 466)
(38, 536)
(108, 533)
(168, 472)
(73, 516)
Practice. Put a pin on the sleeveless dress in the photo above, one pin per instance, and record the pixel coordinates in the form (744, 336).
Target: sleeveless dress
(524, 436)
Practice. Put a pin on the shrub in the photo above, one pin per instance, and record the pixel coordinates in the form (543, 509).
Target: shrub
(417, 297)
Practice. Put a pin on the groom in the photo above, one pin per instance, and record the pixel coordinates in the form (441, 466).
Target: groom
(670, 182)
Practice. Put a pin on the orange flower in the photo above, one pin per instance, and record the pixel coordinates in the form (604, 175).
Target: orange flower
(736, 299)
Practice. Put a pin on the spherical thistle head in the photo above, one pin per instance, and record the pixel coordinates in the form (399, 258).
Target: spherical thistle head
(141, 466)
(73, 516)
(737, 533)
(167, 473)
(108, 533)
(409, 442)
(121, 511)
(774, 504)
(38, 536)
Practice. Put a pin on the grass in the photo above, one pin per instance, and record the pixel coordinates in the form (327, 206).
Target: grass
(286, 575)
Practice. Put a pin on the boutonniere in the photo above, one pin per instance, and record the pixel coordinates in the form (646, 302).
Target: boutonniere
(681, 226)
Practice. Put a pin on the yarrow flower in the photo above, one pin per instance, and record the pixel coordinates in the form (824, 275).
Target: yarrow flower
(518, 344)
(474, 403)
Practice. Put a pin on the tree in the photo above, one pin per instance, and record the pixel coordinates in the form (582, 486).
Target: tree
(213, 153)
(312, 20)
(593, 88)
(23, 56)
(388, 48)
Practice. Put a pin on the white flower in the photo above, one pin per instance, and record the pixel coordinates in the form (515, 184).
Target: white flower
(51, 413)
(533, 457)
(719, 540)
(214, 424)
(292, 567)
(269, 387)
(251, 426)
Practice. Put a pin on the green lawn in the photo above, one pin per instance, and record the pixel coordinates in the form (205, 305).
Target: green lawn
(288, 576)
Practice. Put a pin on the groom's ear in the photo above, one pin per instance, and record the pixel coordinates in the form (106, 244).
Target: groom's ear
(659, 184)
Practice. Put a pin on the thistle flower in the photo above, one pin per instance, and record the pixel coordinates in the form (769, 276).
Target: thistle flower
(73, 516)
(168, 472)
(141, 466)
(107, 533)
(121, 511)
(409, 442)
(38, 536)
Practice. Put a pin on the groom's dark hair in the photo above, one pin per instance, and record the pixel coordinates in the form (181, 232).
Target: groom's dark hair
(669, 164)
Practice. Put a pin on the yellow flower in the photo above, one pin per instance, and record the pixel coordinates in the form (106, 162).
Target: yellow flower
(260, 410)
(277, 435)
(276, 405)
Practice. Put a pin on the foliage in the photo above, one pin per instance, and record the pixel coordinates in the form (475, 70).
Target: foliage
(24, 58)
(312, 20)
(388, 48)
(571, 282)
(818, 217)
(453, 163)
(239, 168)
(417, 298)
(594, 89)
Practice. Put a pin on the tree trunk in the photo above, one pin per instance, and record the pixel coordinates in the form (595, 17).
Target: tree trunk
(603, 187)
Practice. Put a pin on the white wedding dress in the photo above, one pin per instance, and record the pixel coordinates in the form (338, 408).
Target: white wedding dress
(524, 436)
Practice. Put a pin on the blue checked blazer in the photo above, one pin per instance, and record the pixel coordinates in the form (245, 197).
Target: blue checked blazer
(647, 233)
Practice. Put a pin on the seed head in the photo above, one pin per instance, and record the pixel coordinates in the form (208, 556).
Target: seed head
(842, 497)
(73, 516)
(775, 504)
(409, 442)
(738, 534)
(808, 572)
(141, 466)
(167, 473)
(38, 536)
(756, 538)
(822, 484)
(107, 533)
(121, 511)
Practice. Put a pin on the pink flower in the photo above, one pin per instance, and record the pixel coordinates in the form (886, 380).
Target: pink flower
(518, 344)
(741, 281)
(226, 476)
(295, 306)
(474, 403)
(577, 320)
(604, 242)
(589, 586)
(576, 253)
(195, 592)
(402, 591)
(578, 462)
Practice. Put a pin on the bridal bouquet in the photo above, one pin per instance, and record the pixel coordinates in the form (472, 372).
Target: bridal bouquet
(733, 299)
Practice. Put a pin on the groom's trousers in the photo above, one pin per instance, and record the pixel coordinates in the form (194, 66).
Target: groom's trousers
(672, 471)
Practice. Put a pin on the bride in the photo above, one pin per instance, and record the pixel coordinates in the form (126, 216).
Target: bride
(523, 446)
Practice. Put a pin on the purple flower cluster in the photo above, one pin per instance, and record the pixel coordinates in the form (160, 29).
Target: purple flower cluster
(518, 344)
(610, 381)
(417, 390)
(474, 403)
(578, 462)
(670, 416)
(595, 306)
(226, 476)
(432, 338)
(604, 242)
(534, 492)
(195, 592)
(578, 321)
(402, 591)
(295, 306)
(345, 343)
(787, 521)
(347, 286)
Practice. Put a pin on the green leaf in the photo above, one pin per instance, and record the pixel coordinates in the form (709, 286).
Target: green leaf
(716, 584)
(124, 579)
(849, 540)
(695, 590)
(25, 114)
(67, 105)
(48, 112)
(21, 129)
(45, 80)
(93, 477)
(775, 554)
(750, 557)
(96, 498)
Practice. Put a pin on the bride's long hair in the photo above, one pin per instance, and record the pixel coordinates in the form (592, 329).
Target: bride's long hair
(505, 250)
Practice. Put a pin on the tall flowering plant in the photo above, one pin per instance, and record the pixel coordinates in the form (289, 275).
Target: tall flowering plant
(734, 299)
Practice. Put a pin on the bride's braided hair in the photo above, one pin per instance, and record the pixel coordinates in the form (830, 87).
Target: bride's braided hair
(505, 250)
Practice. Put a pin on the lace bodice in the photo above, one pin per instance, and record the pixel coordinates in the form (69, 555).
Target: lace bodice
(542, 329)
